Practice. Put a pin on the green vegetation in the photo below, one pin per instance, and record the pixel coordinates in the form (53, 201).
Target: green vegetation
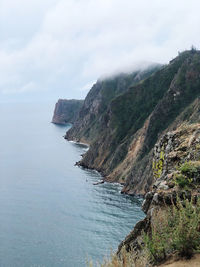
(177, 230)
(189, 174)
(131, 109)
(183, 181)
(189, 168)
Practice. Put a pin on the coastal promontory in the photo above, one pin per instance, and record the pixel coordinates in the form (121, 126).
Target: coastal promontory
(66, 111)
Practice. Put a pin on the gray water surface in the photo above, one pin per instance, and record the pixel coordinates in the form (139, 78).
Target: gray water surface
(51, 214)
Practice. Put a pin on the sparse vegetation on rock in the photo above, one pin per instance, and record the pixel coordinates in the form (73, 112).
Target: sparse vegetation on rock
(172, 224)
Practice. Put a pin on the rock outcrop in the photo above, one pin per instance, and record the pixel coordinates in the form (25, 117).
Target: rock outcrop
(177, 152)
(66, 111)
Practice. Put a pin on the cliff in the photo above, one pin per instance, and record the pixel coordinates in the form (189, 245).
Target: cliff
(144, 132)
(66, 111)
(123, 117)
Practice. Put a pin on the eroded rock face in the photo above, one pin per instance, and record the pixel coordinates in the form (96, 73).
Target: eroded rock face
(174, 149)
(66, 111)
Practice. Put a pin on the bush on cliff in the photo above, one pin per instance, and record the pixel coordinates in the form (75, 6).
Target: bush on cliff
(177, 230)
(174, 230)
(189, 174)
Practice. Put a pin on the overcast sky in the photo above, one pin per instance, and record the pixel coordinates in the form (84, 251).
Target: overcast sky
(52, 49)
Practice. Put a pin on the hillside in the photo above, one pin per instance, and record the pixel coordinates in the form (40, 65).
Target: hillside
(123, 122)
(66, 111)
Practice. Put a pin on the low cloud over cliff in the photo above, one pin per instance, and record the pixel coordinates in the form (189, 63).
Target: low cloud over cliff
(61, 46)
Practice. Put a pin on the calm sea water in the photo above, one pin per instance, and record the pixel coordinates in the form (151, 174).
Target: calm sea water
(51, 214)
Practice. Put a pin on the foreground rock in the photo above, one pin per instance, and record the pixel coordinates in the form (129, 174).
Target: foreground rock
(174, 149)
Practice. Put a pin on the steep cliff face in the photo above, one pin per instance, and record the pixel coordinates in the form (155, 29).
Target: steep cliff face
(123, 136)
(66, 111)
(94, 114)
(176, 178)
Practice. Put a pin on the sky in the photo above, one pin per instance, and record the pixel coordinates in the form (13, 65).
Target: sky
(52, 49)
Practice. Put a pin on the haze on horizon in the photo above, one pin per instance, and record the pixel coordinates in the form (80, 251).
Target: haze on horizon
(54, 49)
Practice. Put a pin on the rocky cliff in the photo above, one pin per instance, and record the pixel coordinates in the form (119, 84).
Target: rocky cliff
(122, 119)
(144, 132)
(171, 226)
(66, 111)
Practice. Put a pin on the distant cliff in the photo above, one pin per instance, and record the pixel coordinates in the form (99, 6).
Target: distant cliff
(123, 117)
(66, 111)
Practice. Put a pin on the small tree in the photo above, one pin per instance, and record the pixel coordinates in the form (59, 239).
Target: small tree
(193, 48)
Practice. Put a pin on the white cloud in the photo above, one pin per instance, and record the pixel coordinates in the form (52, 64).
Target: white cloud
(31, 86)
(87, 86)
(60, 45)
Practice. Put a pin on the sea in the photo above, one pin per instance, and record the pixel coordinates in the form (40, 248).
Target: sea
(51, 213)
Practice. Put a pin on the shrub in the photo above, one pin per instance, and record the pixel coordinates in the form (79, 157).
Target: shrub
(189, 169)
(189, 174)
(177, 230)
(183, 181)
(186, 234)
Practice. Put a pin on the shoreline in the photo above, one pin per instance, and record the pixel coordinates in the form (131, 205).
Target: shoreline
(103, 177)
(78, 143)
